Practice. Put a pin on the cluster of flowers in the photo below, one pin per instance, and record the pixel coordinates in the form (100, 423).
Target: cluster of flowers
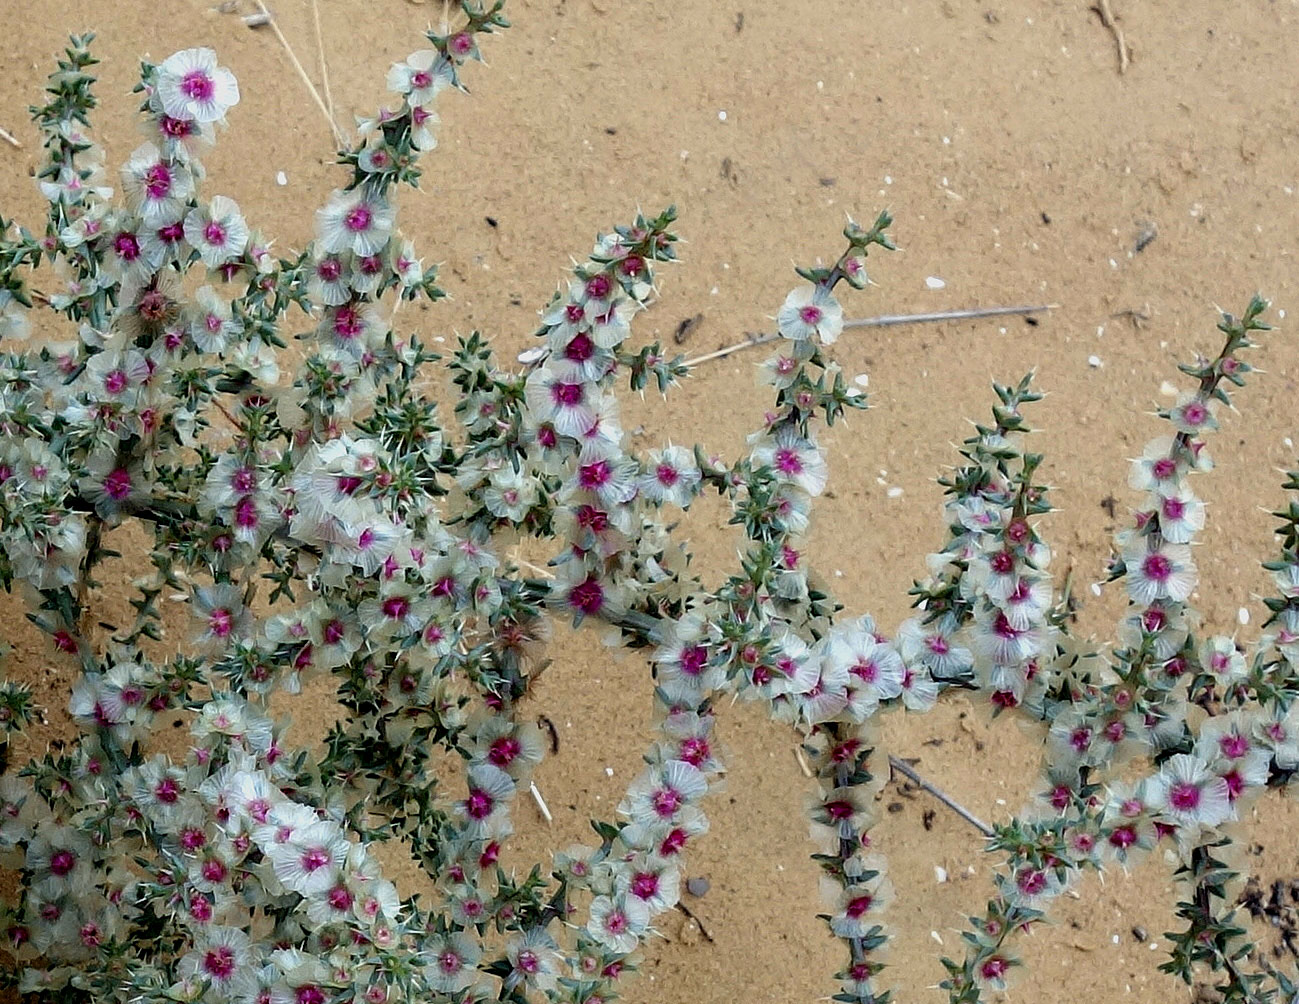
(243, 870)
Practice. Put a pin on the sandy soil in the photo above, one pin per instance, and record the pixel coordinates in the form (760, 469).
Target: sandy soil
(1021, 167)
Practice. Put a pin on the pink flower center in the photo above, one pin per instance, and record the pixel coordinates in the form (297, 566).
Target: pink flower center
(197, 85)
(116, 381)
(1157, 567)
(695, 750)
(567, 395)
(645, 885)
(220, 622)
(340, 898)
(62, 862)
(593, 476)
(213, 870)
(157, 181)
(117, 484)
(858, 906)
(127, 246)
(994, 968)
(788, 461)
(587, 596)
(1173, 509)
(504, 750)
(666, 802)
(167, 791)
(616, 922)
(1233, 746)
(358, 218)
(314, 858)
(395, 607)
(219, 962)
(479, 804)
(1184, 796)
(214, 233)
(811, 315)
(598, 286)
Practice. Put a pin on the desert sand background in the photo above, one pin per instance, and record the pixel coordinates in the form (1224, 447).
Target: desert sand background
(1021, 166)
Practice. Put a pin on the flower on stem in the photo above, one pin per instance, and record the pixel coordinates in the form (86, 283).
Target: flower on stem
(618, 922)
(356, 221)
(421, 76)
(1159, 570)
(808, 311)
(793, 459)
(857, 905)
(217, 231)
(192, 87)
(1188, 794)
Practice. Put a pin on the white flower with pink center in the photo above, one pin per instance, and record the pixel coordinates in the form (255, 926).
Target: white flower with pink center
(671, 476)
(156, 188)
(618, 922)
(221, 956)
(1164, 571)
(662, 792)
(421, 76)
(217, 231)
(353, 221)
(191, 87)
(1187, 793)
(874, 667)
(811, 311)
(485, 809)
(1181, 514)
(311, 861)
(793, 459)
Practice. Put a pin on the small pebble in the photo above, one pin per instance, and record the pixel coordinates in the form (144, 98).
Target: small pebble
(894, 492)
(862, 379)
(281, 178)
(721, 116)
(1094, 362)
(1242, 615)
(608, 772)
(940, 873)
(1096, 588)
(933, 282)
(698, 886)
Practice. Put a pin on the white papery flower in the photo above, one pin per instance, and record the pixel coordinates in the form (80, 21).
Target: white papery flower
(192, 87)
(353, 221)
(811, 311)
(618, 923)
(217, 231)
(1164, 571)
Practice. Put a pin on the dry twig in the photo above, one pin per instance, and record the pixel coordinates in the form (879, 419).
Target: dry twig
(324, 66)
(339, 138)
(907, 771)
(10, 138)
(1111, 22)
(885, 321)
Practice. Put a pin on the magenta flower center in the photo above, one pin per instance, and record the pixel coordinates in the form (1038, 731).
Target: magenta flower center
(358, 218)
(1184, 796)
(314, 858)
(117, 484)
(197, 85)
(479, 804)
(666, 801)
(588, 597)
(788, 461)
(214, 233)
(1157, 567)
(811, 315)
(62, 862)
(219, 962)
